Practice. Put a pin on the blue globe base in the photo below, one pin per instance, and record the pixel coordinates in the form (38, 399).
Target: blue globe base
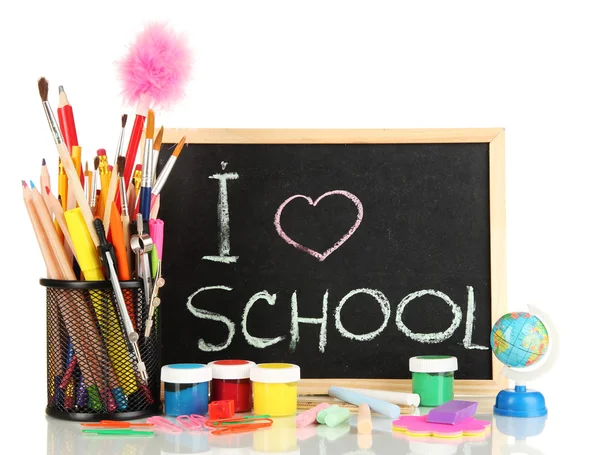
(520, 402)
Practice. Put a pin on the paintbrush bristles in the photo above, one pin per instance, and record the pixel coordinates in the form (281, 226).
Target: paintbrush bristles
(150, 125)
(120, 165)
(123, 120)
(96, 162)
(179, 147)
(43, 88)
(158, 139)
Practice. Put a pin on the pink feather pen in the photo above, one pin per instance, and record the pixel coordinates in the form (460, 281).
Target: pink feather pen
(154, 71)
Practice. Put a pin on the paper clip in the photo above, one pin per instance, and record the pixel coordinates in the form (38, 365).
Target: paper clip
(164, 425)
(239, 425)
(116, 424)
(240, 428)
(192, 422)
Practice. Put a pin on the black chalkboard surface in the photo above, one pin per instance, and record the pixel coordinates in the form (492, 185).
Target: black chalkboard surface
(346, 254)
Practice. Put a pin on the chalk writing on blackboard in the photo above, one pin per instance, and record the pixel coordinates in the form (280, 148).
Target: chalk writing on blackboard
(223, 217)
(346, 236)
(385, 307)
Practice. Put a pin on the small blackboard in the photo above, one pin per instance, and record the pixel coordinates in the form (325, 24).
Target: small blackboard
(343, 251)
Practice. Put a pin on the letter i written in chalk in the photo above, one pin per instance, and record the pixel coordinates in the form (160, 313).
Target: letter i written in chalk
(223, 219)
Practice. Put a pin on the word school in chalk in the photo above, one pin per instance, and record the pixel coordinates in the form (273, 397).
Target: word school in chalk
(224, 256)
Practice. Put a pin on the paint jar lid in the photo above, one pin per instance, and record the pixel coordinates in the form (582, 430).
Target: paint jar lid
(185, 373)
(432, 364)
(231, 369)
(275, 373)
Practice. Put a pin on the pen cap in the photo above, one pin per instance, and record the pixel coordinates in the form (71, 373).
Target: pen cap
(157, 233)
(87, 255)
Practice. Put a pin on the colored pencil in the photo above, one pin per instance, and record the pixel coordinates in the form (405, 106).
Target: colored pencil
(67, 120)
(134, 139)
(64, 265)
(63, 184)
(104, 176)
(59, 216)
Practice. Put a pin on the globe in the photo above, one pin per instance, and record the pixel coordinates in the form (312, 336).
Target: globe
(519, 339)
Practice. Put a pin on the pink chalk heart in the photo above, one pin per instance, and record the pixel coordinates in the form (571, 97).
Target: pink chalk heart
(320, 256)
(418, 426)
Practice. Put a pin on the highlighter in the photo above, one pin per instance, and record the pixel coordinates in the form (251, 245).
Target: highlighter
(87, 256)
(90, 265)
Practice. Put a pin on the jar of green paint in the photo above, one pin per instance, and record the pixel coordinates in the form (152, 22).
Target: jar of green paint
(433, 378)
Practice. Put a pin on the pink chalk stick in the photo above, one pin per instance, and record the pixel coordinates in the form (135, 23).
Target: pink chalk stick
(310, 416)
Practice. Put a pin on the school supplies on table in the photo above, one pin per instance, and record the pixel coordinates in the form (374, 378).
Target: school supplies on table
(117, 432)
(154, 70)
(399, 398)
(192, 422)
(164, 425)
(147, 172)
(305, 403)
(113, 187)
(310, 416)
(452, 412)
(108, 258)
(364, 424)
(66, 119)
(221, 409)
(382, 407)
(108, 424)
(433, 378)
(239, 424)
(186, 388)
(333, 416)
(418, 426)
(231, 381)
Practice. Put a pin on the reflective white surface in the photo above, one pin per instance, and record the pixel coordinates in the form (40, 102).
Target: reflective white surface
(507, 435)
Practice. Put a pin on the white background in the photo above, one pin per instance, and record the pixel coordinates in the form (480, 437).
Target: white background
(530, 67)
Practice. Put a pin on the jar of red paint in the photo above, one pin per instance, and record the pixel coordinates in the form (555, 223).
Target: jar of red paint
(231, 381)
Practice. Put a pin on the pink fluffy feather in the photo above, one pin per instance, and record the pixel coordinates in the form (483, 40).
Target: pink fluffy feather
(158, 65)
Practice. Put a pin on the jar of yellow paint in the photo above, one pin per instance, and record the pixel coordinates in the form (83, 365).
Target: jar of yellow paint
(275, 388)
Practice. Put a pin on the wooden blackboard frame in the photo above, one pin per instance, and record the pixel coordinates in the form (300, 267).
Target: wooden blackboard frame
(492, 136)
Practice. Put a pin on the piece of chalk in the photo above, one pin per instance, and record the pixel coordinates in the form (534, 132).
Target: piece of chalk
(363, 420)
(401, 398)
(323, 413)
(333, 419)
(307, 417)
(452, 412)
(382, 407)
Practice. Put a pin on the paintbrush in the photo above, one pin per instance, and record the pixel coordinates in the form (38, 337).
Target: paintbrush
(113, 186)
(72, 175)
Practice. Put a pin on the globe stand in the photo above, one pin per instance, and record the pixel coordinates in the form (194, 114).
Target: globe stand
(521, 402)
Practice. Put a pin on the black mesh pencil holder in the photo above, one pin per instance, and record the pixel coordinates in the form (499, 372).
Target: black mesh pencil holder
(92, 370)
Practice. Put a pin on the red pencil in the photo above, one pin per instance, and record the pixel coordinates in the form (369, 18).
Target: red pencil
(134, 141)
(66, 121)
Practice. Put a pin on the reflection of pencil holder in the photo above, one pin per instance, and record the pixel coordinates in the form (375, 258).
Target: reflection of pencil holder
(92, 369)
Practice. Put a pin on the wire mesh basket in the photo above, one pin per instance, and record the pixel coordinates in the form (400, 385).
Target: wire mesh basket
(92, 371)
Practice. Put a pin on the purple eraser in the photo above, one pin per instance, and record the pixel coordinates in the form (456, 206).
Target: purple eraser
(452, 412)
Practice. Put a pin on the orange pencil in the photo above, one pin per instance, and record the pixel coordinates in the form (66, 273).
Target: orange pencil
(118, 240)
(63, 184)
(104, 174)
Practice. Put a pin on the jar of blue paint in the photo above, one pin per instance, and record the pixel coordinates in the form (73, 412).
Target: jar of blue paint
(186, 388)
